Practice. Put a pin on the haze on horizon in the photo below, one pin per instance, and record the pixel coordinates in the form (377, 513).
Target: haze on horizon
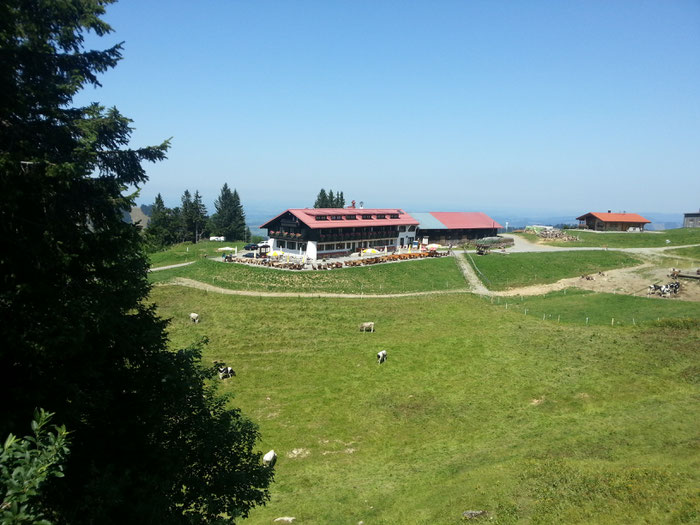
(556, 106)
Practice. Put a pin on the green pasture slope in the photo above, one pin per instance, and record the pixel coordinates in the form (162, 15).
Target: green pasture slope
(524, 269)
(584, 307)
(188, 252)
(693, 252)
(409, 276)
(678, 237)
(477, 407)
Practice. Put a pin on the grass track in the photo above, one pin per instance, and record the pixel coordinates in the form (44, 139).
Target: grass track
(410, 276)
(693, 252)
(525, 269)
(448, 423)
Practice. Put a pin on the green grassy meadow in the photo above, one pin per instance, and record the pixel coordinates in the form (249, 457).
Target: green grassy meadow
(524, 269)
(409, 276)
(477, 407)
(188, 252)
(678, 237)
(693, 252)
(581, 306)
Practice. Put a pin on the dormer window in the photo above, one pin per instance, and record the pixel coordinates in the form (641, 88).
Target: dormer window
(366, 217)
(321, 217)
(351, 217)
(336, 217)
(394, 216)
(381, 216)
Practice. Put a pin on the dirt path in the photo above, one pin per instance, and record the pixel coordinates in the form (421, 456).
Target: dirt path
(171, 266)
(470, 275)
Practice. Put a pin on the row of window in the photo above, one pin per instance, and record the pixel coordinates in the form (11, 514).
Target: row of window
(354, 217)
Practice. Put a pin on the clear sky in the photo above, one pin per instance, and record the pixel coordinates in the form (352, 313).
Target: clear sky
(558, 106)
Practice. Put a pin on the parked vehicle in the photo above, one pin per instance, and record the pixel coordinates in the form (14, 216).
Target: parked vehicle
(251, 246)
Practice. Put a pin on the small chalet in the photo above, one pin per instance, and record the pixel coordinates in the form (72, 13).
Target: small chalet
(619, 222)
(454, 227)
(332, 232)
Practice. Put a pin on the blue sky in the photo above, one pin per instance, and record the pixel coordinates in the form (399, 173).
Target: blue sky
(531, 106)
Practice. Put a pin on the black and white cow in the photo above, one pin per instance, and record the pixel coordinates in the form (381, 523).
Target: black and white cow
(381, 357)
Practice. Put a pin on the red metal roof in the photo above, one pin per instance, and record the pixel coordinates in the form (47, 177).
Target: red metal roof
(308, 217)
(614, 217)
(465, 220)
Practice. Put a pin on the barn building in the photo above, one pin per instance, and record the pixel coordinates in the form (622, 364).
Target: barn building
(454, 227)
(618, 222)
(332, 232)
(691, 220)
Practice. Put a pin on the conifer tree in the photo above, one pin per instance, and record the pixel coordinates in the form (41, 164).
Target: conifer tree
(151, 443)
(321, 199)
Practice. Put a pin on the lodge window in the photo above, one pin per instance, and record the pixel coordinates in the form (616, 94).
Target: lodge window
(411, 228)
(340, 246)
(394, 216)
(381, 216)
(321, 217)
(291, 245)
(366, 217)
(281, 244)
(351, 217)
(336, 217)
(402, 228)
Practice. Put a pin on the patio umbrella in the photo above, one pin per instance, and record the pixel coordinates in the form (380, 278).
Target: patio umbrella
(433, 246)
(225, 249)
(370, 250)
(276, 253)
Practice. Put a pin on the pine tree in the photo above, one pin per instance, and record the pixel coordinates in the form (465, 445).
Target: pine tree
(150, 442)
(223, 218)
(331, 199)
(238, 217)
(161, 230)
(340, 200)
(199, 216)
(321, 199)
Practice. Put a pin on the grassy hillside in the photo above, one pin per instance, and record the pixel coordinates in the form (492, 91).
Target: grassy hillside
(576, 306)
(476, 408)
(411, 276)
(187, 252)
(524, 269)
(693, 252)
(678, 237)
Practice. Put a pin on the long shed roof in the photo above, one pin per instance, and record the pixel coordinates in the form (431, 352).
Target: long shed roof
(455, 220)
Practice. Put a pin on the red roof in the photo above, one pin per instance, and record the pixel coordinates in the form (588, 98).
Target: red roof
(308, 217)
(465, 220)
(614, 217)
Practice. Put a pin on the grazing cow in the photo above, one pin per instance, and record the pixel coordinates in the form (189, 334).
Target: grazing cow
(381, 357)
(194, 318)
(270, 459)
(367, 327)
(226, 372)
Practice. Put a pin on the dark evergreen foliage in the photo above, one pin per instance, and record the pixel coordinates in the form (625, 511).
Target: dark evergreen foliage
(329, 200)
(150, 442)
(229, 219)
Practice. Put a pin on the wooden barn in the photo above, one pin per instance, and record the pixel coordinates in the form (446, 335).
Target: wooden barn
(616, 222)
(454, 227)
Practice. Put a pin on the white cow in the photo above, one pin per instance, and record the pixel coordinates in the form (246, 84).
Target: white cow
(381, 357)
(367, 327)
(194, 317)
(270, 459)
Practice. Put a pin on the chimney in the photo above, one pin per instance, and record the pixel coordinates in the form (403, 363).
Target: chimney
(609, 211)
